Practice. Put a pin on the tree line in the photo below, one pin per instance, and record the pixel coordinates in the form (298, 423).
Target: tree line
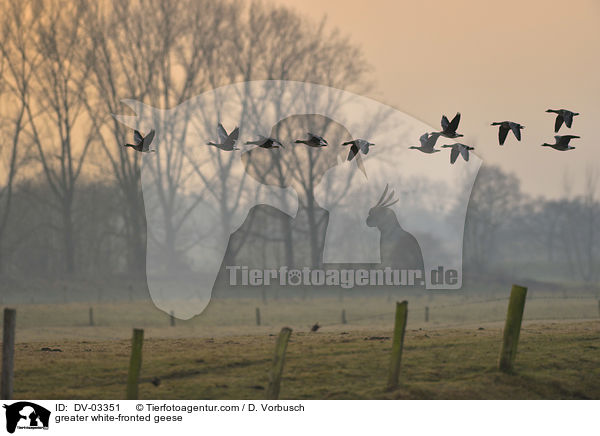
(70, 194)
(69, 191)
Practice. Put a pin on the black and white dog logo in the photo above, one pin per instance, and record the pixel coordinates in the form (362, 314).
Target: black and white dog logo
(26, 415)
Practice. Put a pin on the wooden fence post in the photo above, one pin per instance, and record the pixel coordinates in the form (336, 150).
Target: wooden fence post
(397, 344)
(91, 317)
(426, 313)
(172, 319)
(344, 320)
(8, 354)
(257, 316)
(512, 328)
(135, 364)
(278, 361)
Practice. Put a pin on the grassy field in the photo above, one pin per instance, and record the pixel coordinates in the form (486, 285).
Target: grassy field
(555, 360)
(234, 317)
(223, 354)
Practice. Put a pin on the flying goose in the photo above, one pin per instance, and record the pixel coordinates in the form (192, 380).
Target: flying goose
(449, 127)
(356, 146)
(457, 149)
(563, 115)
(265, 142)
(226, 141)
(428, 141)
(505, 127)
(562, 143)
(142, 143)
(312, 141)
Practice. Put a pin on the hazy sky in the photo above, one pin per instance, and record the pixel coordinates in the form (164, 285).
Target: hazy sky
(492, 61)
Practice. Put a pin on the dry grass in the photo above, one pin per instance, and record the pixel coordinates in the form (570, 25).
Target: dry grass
(234, 317)
(222, 354)
(555, 360)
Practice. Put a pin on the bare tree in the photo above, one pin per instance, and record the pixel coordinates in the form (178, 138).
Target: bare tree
(208, 44)
(539, 224)
(117, 72)
(579, 231)
(275, 43)
(495, 199)
(67, 64)
(60, 91)
(18, 61)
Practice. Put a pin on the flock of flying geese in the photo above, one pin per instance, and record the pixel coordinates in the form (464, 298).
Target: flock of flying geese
(227, 141)
(428, 140)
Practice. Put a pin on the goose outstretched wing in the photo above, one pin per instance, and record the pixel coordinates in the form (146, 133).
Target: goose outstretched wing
(558, 123)
(353, 152)
(502, 133)
(137, 137)
(432, 140)
(565, 139)
(464, 151)
(454, 123)
(516, 130)
(568, 116)
(454, 154)
(148, 139)
(445, 122)
(262, 140)
(221, 133)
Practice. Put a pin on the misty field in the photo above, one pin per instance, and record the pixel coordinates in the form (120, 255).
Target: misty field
(224, 354)
(555, 360)
(237, 316)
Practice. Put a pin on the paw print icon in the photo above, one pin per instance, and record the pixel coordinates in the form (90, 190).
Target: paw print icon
(294, 277)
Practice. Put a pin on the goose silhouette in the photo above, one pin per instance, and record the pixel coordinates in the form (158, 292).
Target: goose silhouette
(427, 143)
(312, 141)
(142, 143)
(266, 142)
(449, 127)
(356, 146)
(226, 141)
(563, 115)
(457, 149)
(562, 142)
(505, 127)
